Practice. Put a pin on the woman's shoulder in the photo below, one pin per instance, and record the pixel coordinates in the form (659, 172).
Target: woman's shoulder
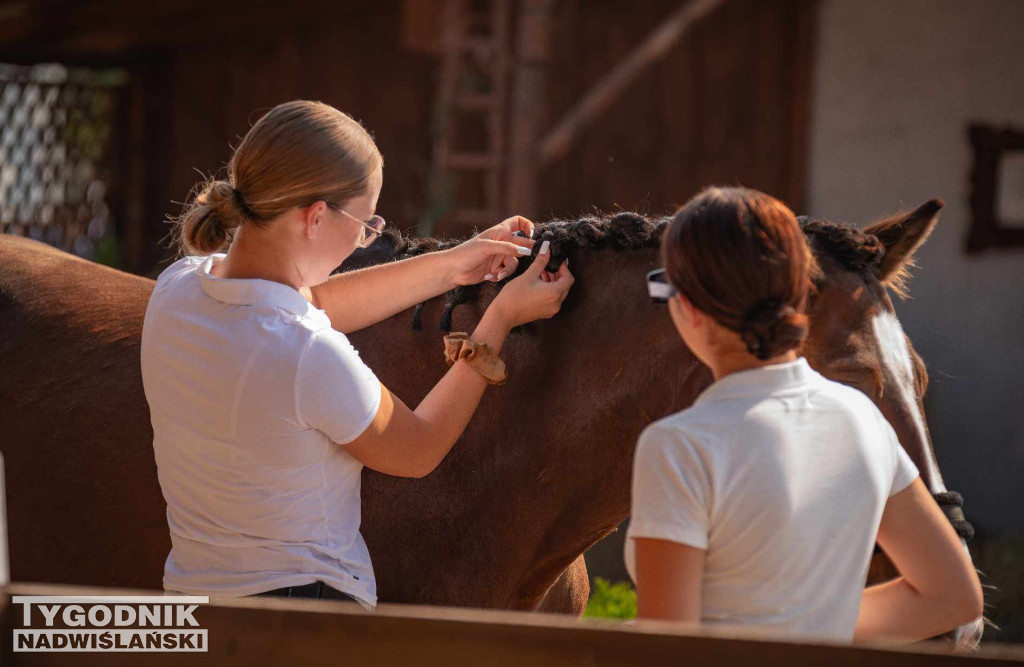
(842, 396)
(327, 349)
(187, 264)
(684, 427)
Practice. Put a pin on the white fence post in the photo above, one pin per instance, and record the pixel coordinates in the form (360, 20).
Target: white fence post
(5, 570)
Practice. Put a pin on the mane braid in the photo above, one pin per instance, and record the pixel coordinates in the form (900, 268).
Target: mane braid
(621, 231)
(854, 249)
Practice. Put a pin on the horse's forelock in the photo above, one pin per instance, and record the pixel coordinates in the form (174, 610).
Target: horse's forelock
(855, 250)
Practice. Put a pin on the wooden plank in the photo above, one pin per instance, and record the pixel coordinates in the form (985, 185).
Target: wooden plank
(473, 161)
(558, 140)
(266, 631)
(66, 29)
(421, 26)
(533, 37)
(5, 569)
(482, 217)
(805, 18)
(476, 101)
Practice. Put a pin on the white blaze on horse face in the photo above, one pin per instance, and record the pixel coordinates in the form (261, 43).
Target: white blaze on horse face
(892, 342)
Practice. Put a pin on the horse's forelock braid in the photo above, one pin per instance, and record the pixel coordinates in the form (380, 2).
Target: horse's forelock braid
(856, 250)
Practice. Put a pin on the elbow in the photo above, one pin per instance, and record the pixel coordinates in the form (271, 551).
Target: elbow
(973, 603)
(967, 605)
(410, 470)
(419, 471)
(431, 455)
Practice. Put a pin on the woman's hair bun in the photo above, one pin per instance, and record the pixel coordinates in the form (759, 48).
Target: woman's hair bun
(219, 194)
(771, 327)
(211, 217)
(739, 256)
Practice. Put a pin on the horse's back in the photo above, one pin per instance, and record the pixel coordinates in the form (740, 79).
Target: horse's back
(39, 277)
(76, 436)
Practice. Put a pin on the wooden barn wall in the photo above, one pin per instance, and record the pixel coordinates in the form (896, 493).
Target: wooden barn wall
(350, 59)
(727, 106)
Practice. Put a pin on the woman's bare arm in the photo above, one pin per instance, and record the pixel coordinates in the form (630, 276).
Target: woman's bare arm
(410, 443)
(939, 588)
(668, 580)
(357, 299)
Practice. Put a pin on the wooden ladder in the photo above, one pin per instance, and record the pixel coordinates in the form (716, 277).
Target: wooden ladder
(473, 29)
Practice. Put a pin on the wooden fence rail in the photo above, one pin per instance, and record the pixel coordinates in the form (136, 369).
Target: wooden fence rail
(264, 631)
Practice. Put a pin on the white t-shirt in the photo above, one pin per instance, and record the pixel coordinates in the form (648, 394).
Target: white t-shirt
(781, 476)
(249, 389)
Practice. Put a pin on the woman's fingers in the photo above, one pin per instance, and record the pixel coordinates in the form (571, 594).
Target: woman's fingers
(505, 248)
(518, 223)
(499, 258)
(563, 278)
(508, 267)
(495, 266)
(540, 261)
(523, 242)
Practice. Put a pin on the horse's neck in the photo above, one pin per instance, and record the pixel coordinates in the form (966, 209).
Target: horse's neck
(543, 470)
(590, 380)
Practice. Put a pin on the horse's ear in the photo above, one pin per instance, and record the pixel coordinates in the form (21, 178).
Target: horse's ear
(902, 235)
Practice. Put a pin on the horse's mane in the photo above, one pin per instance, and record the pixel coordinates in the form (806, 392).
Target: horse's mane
(621, 231)
(855, 250)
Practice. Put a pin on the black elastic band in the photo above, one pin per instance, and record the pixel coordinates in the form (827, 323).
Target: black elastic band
(949, 498)
(951, 503)
(246, 211)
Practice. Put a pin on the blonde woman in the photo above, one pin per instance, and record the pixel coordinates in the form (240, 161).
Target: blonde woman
(263, 413)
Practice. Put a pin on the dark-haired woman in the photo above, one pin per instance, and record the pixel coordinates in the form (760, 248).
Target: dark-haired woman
(760, 504)
(263, 413)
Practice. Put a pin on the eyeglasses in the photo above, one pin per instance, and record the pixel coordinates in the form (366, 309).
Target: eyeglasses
(372, 227)
(658, 286)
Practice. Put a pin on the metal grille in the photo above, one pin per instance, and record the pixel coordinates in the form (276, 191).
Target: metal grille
(56, 157)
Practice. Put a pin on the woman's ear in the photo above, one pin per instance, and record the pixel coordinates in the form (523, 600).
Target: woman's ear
(313, 217)
(691, 315)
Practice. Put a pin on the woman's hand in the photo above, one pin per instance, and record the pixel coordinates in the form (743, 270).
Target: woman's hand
(491, 254)
(535, 295)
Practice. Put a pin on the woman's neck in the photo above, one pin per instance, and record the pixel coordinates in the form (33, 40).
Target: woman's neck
(250, 258)
(734, 362)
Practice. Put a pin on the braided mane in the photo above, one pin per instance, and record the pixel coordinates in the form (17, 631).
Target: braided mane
(622, 231)
(855, 250)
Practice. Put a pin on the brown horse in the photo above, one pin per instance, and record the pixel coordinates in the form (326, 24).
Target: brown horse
(541, 473)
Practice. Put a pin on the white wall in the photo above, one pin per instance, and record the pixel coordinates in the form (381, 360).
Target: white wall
(896, 84)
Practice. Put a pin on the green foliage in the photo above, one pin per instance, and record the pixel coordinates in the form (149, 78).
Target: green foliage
(107, 251)
(609, 600)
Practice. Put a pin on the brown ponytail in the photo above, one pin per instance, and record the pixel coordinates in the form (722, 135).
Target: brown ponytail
(208, 223)
(739, 256)
(298, 153)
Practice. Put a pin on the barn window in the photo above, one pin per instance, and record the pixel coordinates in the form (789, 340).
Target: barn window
(58, 156)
